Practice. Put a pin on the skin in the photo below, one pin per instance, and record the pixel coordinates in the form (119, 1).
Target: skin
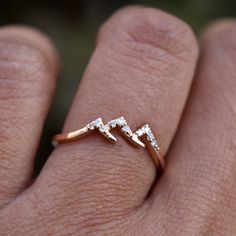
(149, 67)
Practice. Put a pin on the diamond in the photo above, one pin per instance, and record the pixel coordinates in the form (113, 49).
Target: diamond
(103, 128)
(139, 132)
(150, 136)
(154, 144)
(98, 122)
(126, 129)
(121, 121)
(146, 128)
(112, 123)
(91, 126)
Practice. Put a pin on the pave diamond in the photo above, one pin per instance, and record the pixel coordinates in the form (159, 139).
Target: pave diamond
(121, 121)
(91, 126)
(126, 129)
(112, 123)
(140, 132)
(150, 136)
(95, 124)
(146, 128)
(154, 144)
(103, 128)
(98, 122)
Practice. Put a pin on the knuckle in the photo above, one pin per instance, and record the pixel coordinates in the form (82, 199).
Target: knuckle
(23, 68)
(221, 33)
(145, 46)
(146, 34)
(219, 42)
(219, 54)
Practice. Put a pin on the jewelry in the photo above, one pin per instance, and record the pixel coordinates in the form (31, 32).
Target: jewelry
(143, 137)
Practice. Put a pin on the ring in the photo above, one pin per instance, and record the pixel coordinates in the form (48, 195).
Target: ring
(143, 137)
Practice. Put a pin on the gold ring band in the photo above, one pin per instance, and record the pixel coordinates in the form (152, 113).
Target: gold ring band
(143, 137)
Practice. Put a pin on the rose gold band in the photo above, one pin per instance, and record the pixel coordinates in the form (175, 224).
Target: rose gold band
(143, 137)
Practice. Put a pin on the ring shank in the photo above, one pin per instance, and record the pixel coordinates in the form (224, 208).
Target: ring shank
(154, 152)
(69, 136)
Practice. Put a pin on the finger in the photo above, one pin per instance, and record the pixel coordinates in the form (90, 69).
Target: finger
(27, 79)
(142, 69)
(198, 191)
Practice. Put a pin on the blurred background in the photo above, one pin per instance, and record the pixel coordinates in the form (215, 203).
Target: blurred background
(72, 25)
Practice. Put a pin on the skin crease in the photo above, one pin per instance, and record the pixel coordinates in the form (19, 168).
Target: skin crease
(148, 58)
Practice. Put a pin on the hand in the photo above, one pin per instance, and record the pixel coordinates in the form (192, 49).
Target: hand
(143, 68)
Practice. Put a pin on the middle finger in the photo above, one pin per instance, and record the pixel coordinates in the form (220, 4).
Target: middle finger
(142, 69)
